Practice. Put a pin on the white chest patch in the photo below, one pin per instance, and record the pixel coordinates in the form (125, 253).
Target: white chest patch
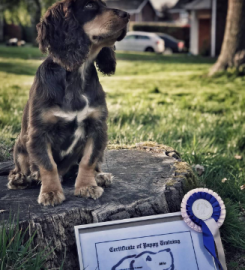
(80, 115)
(79, 133)
(71, 116)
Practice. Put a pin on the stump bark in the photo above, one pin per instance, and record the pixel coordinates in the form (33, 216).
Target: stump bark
(147, 182)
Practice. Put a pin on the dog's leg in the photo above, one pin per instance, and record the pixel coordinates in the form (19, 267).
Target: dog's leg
(19, 177)
(41, 154)
(51, 190)
(86, 185)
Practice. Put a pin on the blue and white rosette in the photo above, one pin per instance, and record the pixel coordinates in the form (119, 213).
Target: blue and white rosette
(204, 211)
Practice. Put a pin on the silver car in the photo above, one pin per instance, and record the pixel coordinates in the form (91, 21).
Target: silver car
(141, 42)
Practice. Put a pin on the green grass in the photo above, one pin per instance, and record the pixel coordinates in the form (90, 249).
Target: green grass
(168, 99)
(16, 253)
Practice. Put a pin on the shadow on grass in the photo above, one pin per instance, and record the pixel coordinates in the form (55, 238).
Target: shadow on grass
(28, 52)
(171, 59)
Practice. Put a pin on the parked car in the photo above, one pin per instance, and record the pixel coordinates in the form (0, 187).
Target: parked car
(15, 42)
(142, 42)
(172, 45)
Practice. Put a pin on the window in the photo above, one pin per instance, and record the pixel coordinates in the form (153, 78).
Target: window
(142, 37)
(130, 37)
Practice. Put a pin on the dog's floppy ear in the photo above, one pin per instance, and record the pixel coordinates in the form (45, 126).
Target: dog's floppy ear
(61, 35)
(106, 61)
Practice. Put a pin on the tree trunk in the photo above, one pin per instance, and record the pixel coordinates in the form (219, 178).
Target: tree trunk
(34, 7)
(38, 14)
(233, 48)
(1, 25)
(148, 181)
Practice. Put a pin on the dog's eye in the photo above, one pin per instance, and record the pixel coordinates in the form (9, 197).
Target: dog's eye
(90, 5)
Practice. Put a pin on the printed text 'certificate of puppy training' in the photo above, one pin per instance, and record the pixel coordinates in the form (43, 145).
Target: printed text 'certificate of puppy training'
(162, 246)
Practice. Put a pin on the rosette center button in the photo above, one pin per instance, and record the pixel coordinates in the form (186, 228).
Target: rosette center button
(202, 209)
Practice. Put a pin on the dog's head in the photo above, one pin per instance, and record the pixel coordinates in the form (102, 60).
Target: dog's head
(71, 29)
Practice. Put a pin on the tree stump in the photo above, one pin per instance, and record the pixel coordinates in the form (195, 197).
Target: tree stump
(147, 181)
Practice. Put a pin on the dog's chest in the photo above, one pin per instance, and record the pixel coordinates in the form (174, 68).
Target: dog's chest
(73, 127)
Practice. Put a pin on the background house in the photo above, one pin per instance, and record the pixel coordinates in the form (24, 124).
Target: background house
(140, 10)
(178, 12)
(208, 20)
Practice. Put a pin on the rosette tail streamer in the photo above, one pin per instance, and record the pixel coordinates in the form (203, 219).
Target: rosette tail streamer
(210, 226)
(208, 241)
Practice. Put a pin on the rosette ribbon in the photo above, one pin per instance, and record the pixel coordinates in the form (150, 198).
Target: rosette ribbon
(208, 221)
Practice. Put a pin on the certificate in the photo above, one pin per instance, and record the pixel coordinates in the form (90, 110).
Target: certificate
(161, 242)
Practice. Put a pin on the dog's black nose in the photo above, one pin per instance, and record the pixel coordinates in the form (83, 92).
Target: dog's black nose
(122, 14)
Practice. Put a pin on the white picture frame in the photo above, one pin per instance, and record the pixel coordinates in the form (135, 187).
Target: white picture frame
(100, 246)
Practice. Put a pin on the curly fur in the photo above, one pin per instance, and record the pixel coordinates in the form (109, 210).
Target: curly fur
(106, 61)
(64, 121)
(60, 35)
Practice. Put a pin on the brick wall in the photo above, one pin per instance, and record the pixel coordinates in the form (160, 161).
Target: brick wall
(204, 39)
(175, 16)
(132, 17)
(148, 13)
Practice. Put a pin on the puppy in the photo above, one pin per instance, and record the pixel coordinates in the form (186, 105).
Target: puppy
(64, 121)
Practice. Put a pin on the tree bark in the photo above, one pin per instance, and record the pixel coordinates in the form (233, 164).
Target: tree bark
(3, 6)
(34, 7)
(148, 181)
(233, 48)
(1, 25)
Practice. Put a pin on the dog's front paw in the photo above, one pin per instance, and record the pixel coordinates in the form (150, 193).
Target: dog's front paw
(17, 180)
(104, 179)
(93, 192)
(51, 198)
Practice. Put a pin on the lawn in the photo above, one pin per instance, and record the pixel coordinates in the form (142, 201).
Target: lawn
(167, 99)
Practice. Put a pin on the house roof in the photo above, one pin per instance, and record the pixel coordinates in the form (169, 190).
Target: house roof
(199, 4)
(181, 4)
(131, 6)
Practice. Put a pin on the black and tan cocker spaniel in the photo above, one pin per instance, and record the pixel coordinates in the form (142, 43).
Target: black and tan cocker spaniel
(64, 121)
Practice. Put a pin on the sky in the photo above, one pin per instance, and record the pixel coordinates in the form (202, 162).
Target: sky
(159, 3)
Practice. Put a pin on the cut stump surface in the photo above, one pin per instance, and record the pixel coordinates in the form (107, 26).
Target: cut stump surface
(145, 183)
